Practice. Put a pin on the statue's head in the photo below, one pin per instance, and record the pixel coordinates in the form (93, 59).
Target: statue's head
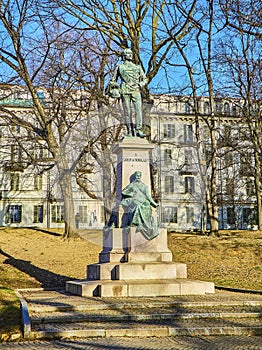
(138, 175)
(127, 54)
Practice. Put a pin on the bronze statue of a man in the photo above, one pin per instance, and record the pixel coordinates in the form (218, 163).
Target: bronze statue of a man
(132, 79)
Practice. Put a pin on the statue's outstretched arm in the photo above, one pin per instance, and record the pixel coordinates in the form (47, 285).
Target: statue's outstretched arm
(143, 78)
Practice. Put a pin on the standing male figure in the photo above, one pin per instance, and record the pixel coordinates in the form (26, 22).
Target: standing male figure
(133, 79)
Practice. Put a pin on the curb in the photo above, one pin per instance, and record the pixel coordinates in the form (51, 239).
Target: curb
(26, 323)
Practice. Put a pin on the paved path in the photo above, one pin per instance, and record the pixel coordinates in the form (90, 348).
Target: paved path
(177, 343)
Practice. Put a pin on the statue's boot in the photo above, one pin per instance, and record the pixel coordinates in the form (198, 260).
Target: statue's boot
(140, 133)
(128, 131)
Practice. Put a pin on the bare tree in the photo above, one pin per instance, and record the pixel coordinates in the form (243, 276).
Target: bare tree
(122, 24)
(243, 16)
(38, 51)
(199, 69)
(239, 58)
(136, 24)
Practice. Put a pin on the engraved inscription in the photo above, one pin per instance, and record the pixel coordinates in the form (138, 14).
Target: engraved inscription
(133, 160)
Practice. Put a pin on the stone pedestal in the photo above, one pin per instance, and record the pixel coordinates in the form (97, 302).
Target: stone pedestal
(129, 264)
(133, 154)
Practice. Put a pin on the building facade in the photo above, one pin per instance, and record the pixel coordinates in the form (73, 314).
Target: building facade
(30, 195)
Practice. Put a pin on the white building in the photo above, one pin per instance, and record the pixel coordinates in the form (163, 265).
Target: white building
(31, 197)
(179, 179)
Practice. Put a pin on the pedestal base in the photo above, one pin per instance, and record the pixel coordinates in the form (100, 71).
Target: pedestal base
(139, 288)
(131, 266)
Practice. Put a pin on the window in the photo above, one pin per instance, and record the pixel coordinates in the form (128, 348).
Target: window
(188, 156)
(169, 184)
(169, 214)
(39, 152)
(228, 159)
(230, 216)
(218, 107)
(14, 182)
(208, 155)
(206, 108)
(189, 184)
(169, 130)
(188, 133)
(250, 187)
(227, 132)
(189, 215)
(244, 133)
(14, 214)
(38, 182)
(206, 133)
(187, 108)
(226, 108)
(16, 128)
(16, 153)
(230, 186)
(37, 129)
(83, 213)
(38, 213)
(248, 215)
(58, 213)
(245, 165)
(167, 156)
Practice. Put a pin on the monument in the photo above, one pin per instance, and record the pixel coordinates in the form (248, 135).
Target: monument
(135, 260)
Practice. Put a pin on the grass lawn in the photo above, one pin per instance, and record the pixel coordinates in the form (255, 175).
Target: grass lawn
(32, 258)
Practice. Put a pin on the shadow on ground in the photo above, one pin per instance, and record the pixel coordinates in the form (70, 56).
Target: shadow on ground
(46, 278)
(51, 233)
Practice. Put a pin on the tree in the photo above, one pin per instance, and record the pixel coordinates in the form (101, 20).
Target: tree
(243, 16)
(200, 70)
(184, 25)
(239, 59)
(36, 55)
(136, 24)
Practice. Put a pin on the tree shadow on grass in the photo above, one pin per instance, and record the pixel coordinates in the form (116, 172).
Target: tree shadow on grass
(48, 279)
(9, 311)
(51, 233)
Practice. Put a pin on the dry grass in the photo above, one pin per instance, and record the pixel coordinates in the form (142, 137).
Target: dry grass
(35, 258)
(232, 260)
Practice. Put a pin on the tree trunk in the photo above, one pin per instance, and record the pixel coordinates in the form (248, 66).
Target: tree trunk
(107, 185)
(258, 190)
(213, 214)
(65, 178)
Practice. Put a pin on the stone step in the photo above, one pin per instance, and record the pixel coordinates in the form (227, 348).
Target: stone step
(138, 315)
(158, 328)
(139, 288)
(48, 301)
(57, 314)
(136, 271)
(147, 308)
